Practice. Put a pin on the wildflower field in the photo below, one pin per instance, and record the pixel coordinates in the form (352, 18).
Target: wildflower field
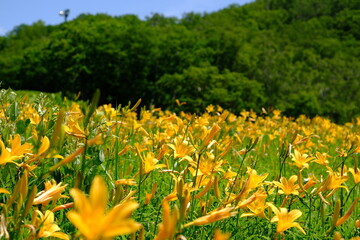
(73, 170)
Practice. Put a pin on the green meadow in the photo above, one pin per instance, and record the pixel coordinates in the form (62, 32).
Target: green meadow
(75, 170)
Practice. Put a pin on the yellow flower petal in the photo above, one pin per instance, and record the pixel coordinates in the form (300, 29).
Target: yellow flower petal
(45, 144)
(98, 196)
(80, 224)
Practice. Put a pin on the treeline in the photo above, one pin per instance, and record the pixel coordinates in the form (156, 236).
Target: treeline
(300, 56)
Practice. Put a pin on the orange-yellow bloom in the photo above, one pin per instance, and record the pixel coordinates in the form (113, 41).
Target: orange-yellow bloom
(301, 160)
(63, 206)
(221, 236)
(47, 226)
(213, 217)
(52, 192)
(257, 207)
(149, 196)
(181, 148)
(243, 204)
(73, 128)
(347, 214)
(169, 220)
(333, 181)
(90, 215)
(2, 190)
(254, 180)
(286, 219)
(277, 114)
(208, 164)
(210, 108)
(337, 236)
(356, 174)
(311, 181)
(6, 156)
(213, 131)
(125, 149)
(288, 187)
(16, 148)
(321, 158)
(129, 182)
(150, 163)
(45, 144)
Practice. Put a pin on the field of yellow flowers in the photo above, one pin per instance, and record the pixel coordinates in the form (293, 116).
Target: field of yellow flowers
(72, 170)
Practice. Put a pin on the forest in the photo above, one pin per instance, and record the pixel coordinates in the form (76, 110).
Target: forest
(298, 56)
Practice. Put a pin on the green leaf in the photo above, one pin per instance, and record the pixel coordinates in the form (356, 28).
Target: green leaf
(13, 111)
(21, 126)
(93, 105)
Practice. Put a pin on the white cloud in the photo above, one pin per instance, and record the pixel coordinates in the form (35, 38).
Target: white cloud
(3, 31)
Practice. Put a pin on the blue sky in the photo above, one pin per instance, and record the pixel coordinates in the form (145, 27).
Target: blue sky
(16, 12)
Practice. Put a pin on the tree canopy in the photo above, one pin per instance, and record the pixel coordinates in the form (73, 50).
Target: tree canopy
(300, 56)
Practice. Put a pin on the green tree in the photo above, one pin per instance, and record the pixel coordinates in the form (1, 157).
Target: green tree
(205, 85)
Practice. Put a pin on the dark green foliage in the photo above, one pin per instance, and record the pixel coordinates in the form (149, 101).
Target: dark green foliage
(301, 56)
(230, 90)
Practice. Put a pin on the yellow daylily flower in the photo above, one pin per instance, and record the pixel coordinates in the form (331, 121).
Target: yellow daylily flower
(288, 187)
(179, 103)
(129, 182)
(333, 182)
(213, 217)
(16, 148)
(254, 180)
(311, 181)
(229, 174)
(168, 226)
(6, 156)
(124, 150)
(52, 192)
(73, 128)
(321, 158)
(257, 207)
(3, 190)
(181, 148)
(208, 165)
(33, 115)
(150, 163)
(276, 113)
(337, 236)
(63, 206)
(221, 236)
(90, 215)
(244, 204)
(286, 219)
(213, 131)
(301, 160)
(47, 226)
(210, 108)
(45, 144)
(356, 174)
(150, 195)
(346, 216)
(357, 223)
